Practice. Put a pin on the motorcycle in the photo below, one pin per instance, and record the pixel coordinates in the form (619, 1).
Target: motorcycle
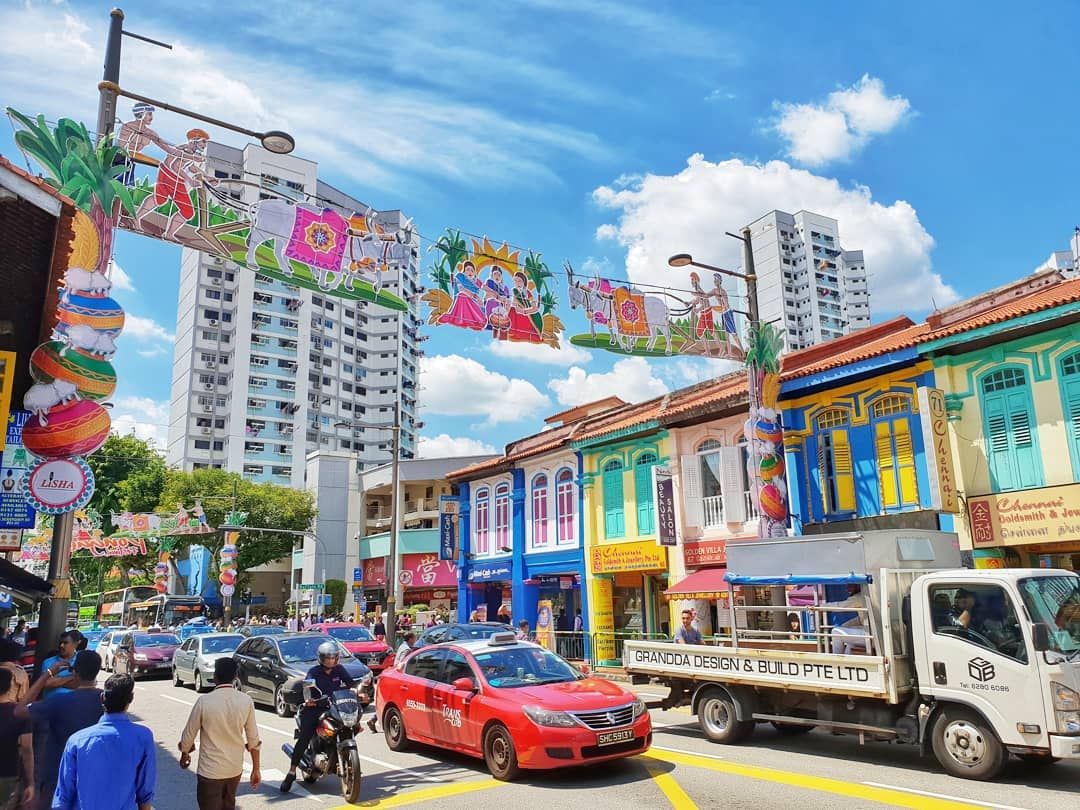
(333, 746)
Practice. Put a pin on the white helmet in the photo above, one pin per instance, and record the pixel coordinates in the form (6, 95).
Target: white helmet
(328, 649)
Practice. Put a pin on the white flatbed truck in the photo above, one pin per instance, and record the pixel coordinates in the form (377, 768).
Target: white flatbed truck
(970, 664)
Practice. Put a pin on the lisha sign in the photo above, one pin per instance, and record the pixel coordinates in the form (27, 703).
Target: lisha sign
(1045, 515)
(855, 674)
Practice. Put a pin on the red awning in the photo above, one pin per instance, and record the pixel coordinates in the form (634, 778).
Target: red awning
(708, 583)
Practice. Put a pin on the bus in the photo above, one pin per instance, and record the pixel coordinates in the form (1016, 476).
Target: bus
(88, 607)
(113, 605)
(164, 610)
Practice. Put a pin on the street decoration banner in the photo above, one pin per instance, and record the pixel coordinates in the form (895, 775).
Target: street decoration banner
(487, 289)
(16, 511)
(172, 197)
(764, 433)
(627, 320)
(664, 493)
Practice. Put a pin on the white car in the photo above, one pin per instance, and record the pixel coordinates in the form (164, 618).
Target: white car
(194, 660)
(108, 646)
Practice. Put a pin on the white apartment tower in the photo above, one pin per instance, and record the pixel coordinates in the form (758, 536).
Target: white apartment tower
(808, 285)
(266, 372)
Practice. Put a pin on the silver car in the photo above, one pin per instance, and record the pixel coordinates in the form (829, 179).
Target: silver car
(194, 659)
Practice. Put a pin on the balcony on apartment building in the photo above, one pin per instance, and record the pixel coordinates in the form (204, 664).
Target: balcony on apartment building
(413, 510)
(713, 510)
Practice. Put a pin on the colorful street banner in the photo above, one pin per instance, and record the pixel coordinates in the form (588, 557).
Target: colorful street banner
(16, 511)
(343, 253)
(626, 320)
(765, 461)
(488, 290)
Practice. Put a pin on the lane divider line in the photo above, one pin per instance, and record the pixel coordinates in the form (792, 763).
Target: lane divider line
(670, 788)
(823, 784)
(401, 769)
(426, 794)
(178, 700)
(945, 796)
(684, 751)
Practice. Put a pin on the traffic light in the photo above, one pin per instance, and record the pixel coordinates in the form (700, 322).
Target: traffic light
(245, 596)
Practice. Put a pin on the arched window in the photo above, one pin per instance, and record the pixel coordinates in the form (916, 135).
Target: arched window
(834, 461)
(481, 521)
(643, 492)
(502, 517)
(614, 518)
(565, 504)
(1009, 426)
(710, 464)
(898, 481)
(540, 511)
(1070, 394)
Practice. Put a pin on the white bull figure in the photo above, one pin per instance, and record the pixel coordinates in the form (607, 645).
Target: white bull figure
(40, 397)
(274, 221)
(81, 336)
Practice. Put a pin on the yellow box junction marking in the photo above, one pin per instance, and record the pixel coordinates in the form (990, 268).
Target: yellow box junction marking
(427, 794)
(672, 789)
(820, 783)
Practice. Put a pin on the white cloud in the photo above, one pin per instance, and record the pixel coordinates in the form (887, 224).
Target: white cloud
(566, 355)
(446, 446)
(145, 417)
(146, 329)
(459, 386)
(153, 351)
(721, 94)
(843, 124)
(376, 126)
(631, 379)
(682, 213)
(121, 281)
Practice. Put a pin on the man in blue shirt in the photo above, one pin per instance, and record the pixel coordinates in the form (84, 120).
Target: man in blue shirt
(110, 764)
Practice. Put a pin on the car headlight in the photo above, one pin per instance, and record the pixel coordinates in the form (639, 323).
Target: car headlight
(546, 717)
(639, 708)
(140, 657)
(366, 680)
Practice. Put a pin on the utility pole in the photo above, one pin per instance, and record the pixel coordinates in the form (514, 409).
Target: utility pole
(751, 278)
(107, 98)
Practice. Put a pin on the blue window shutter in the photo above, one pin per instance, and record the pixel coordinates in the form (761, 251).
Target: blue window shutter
(643, 494)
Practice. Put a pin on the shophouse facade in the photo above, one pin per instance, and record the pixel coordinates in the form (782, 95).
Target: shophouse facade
(522, 527)
(1009, 368)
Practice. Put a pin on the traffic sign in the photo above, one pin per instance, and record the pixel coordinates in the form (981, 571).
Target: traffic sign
(325, 599)
(311, 586)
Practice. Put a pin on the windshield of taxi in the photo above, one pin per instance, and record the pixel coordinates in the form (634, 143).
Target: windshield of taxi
(1055, 601)
(524, 666)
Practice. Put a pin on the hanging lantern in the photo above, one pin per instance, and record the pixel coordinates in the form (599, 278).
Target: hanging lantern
(77, 428)
(100, 314)
(768, 431)
(772, 502)
(770, 467)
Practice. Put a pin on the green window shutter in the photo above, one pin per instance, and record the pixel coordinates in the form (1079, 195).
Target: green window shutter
(998, 448)
(1021, 430)
(1072, 416)
(614, 519)
(643, 494)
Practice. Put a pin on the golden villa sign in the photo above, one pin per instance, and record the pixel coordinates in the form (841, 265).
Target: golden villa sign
(1046, 515)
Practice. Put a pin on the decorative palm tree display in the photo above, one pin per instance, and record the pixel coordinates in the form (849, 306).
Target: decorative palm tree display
(765, 465)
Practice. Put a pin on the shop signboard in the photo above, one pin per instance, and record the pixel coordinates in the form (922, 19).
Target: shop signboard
(16, 511)
(1026, 517)
(448, 527)
(10, 539)
(643, 555)
(664, 492)
(705, 553)
(427, 571)
(374, 572)
(603, 619)
(491, 572)
(939, 457)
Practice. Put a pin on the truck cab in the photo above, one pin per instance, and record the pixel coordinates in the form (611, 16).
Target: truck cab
(1003, 645)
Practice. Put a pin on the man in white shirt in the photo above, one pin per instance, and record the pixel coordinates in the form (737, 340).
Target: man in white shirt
(851, 634)
(224, 721)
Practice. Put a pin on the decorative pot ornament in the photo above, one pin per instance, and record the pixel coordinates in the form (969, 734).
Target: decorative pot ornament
(76, 428)
(100, 313)
(770, 467)
(772, 502)
(768, 431)
(92, 377)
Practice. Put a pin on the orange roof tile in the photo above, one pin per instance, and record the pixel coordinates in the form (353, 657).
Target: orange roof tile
(36, 180)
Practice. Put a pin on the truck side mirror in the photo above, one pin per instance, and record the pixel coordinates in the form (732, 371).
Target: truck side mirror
(1040, 634)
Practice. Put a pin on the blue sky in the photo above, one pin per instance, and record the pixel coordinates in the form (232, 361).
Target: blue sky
(611, 134)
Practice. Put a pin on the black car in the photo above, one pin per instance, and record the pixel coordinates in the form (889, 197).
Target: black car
(261, 630)
(458, 632)
(268, 667)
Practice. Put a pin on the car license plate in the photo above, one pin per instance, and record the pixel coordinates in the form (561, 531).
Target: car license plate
(614, 737)
(163, 665)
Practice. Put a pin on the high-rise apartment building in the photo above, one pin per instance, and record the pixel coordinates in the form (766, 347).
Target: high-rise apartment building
(808, 285)
(265, 372)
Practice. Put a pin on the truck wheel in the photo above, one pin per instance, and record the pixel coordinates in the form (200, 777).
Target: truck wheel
(965, 746)
(717, 718)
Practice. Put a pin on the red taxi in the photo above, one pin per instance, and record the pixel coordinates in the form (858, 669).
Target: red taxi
(358, 640)
(513, 703)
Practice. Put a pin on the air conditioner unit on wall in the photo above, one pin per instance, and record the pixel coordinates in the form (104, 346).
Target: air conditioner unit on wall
(216, 282)
(206, 431)
(209, 386)
(207, 409)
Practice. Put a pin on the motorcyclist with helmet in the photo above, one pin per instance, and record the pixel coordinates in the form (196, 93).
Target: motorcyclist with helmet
(329, 676)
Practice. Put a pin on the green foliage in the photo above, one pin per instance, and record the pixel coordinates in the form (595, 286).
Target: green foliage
(73, 164)
(268, 506)
(336, 588)
(766, 344)
(537, 272)
(454, 251)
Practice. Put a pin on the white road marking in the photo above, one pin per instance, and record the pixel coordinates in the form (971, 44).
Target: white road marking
(401, 769)
(699, 754)
(944, 796)
(178, 700)
(275, 730)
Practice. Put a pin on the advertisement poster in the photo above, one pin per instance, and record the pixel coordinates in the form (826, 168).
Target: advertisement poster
(10, 539)
(664, 490)
(545, 630)
(1046, 515)
(15, 509)
(448, 523)
(603, 619)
